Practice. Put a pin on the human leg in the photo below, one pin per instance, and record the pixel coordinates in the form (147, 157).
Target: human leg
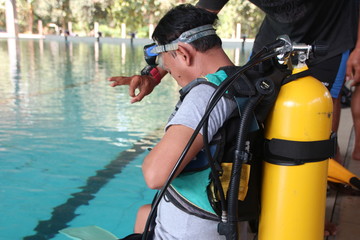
(355, 110)
(335, 123)
(336, 114)
(331, 73)
(141, 218)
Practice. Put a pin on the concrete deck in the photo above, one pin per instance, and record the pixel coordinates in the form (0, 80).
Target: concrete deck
(344, 209)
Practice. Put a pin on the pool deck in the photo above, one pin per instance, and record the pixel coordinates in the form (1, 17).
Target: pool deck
(344, 209)
(227, 43)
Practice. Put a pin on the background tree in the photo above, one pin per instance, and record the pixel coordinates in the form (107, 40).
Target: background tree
(243, 12)
(2, 16)
(137, 15)
(51, 11)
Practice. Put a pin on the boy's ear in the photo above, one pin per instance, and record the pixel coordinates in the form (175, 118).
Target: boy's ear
(185, 53)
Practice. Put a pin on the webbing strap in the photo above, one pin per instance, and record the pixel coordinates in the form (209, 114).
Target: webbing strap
(286, 152)
(296, 76)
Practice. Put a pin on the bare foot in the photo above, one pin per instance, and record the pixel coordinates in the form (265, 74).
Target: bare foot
(338, 155)
(330, 229)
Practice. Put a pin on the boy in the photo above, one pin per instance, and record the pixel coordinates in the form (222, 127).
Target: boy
(188, 49)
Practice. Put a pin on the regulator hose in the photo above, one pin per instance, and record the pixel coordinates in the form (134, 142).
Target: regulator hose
(230, 229)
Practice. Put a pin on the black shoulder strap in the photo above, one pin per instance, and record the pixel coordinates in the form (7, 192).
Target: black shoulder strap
(185, 90)
(296, 76)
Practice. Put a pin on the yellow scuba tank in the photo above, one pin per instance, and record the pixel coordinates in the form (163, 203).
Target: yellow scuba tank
(293, 198)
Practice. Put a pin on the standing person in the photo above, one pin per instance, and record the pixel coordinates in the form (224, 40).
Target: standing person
(353, 73)
(185, 40)
(310, 22)
(332, 22)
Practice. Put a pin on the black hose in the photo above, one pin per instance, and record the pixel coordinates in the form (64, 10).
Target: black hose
(266, 49)
(239, 157)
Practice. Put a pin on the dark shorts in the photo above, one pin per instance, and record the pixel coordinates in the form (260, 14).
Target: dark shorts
(331, 72)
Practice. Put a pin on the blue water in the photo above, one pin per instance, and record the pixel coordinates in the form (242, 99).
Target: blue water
(71, 147)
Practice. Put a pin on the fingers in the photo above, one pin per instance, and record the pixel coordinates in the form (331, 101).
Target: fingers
(353, 74)
(353, 68)
(135, 99)
(118, 80)
(350, 69)
(348, 72)
(135, 83)
(139, 97)
(356, 75)
(145, 84)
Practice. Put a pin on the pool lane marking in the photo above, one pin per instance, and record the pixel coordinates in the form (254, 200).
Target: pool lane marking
(64, 213)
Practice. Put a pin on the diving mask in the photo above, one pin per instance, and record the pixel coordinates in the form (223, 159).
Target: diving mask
(151, 51)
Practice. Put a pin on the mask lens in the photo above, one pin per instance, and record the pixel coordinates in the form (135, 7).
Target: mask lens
(149, 56)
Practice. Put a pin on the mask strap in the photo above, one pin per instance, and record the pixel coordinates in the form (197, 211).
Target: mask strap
(164, 48)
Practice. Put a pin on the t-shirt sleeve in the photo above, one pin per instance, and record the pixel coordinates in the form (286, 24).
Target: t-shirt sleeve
(193, 108)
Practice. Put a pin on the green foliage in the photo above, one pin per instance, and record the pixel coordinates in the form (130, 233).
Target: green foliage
(111, 14)
(244, 13)
(2, 15)
(110, 31)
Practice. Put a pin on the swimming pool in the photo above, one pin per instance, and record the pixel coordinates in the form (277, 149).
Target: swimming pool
(71, 147)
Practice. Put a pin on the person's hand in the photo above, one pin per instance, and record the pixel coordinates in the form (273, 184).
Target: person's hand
(144, 83)
(353, 67)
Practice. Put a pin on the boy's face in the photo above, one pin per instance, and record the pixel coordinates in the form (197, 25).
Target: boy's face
(164, 61)
(169, 61)
(179, 63)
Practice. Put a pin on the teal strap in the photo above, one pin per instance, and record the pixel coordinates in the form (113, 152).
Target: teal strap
(216, 78)
(192, 187)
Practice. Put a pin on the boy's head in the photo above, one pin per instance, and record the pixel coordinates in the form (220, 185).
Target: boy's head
(186, 44)
(183, 24)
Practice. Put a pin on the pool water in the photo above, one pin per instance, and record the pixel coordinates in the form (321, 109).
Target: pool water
(71, 146)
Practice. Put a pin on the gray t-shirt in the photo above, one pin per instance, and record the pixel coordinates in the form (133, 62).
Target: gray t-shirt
(171, 222)
(193, 108)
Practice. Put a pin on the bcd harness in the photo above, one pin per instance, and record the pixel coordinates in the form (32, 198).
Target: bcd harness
(257, 149)
(196, 180)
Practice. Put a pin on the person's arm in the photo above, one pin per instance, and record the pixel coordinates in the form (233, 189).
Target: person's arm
(159, 163)
(144, 83)
(353, 63)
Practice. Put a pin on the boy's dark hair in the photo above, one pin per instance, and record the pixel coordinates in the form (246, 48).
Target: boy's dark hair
(183, 18)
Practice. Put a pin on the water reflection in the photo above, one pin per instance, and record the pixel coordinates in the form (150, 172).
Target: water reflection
(123, 53)
(14, 64)
(41, 47)
(58, 75)
(96, 51)
(62, 77)
(58, 84)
